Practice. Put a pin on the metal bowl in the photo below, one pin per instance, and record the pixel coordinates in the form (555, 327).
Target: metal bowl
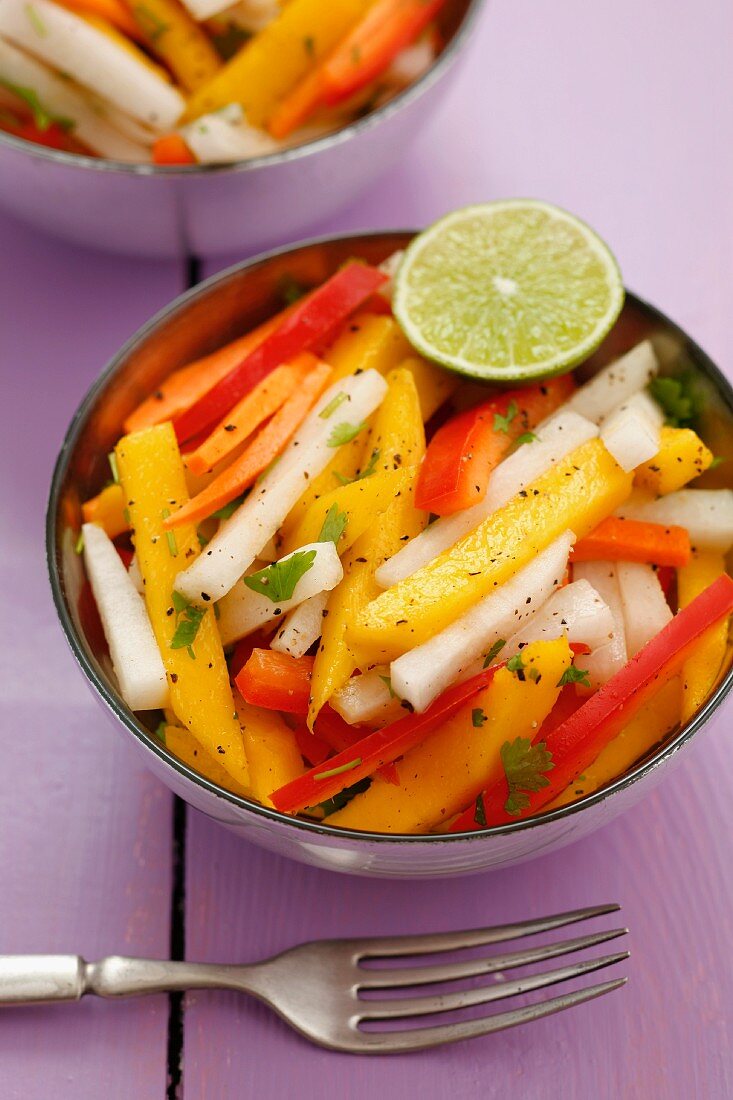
(196, 323)
(206, 209)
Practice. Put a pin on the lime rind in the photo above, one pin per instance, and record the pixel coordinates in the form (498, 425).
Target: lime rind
(568, 291)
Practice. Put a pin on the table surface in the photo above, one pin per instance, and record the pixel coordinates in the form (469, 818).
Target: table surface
(615, 111)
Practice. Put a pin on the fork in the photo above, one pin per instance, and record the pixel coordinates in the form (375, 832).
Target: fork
(316, 987)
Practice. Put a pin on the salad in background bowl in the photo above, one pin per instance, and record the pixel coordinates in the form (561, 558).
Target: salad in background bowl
(398, 614)
(207, 126)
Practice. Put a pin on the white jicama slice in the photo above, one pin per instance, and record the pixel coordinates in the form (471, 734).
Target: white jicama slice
(605, 660)
(632, 432)
(410, 63)
(707, 515)
(61, 99)
(302, 627)
(136, 576)
(368, 698)
(646, 611)
(244, 610)
(135, 656)
(421, 674)
(71, 44)
(576, 610)
(556, 438)
(616, 383)
(225, 135)
(240, 538)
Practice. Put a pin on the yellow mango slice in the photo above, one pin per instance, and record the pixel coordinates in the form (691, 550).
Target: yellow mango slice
(576, 494)
(361, 502)
(452, 766)
(107, 510)
(399, 435)
(178, 40)
(182, 743)
(272, 752)
(682, 456)
(154, 484)
(701, 671)
(275, 59)
(645, 730)
(434, 385)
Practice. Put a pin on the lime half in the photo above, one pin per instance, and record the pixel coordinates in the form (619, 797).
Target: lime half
(508, 291)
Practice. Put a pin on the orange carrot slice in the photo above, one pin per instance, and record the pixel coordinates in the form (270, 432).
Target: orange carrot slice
(632, 540)
(171, 149)
(250, 413)
(184, 387)
(265, 447)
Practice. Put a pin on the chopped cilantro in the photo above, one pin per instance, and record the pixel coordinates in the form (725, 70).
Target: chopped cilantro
(42, 117)
(171, 538)
(678, 398)
(112, 459)
(79, 545)
(526, 437)
(203, 541)
(717, 461)
(573, 675)
(477, 717)
(35, 21)
(524, 766)
(479, 814)
(290, 289)
(309, 45)
(228, 509)
(150, 23)
(189, 619)
(333, 404)
(344, 433)
(494, 651)
(369, 469)
(501, 423)
(278, 581)
(159, 731)
(334, 525)
(339, 771)
(516, 663)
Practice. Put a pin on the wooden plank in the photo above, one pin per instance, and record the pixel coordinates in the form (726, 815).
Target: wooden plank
(85, 831)
(590, 108)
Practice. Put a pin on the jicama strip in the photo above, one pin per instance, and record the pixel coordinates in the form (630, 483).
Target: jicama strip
(703, 667)
(561, 434)
(135, 656)
(646, 611)
(632, 431)
(136, 576)
(575, 611)
(575, 495)
(451, 766)
(631, 540)
(421, 674)
(302, 627)
(369, 698)
(682, 456)
(707, 514)
(607, 659)
(240, 538)
(616, 383)
(411, 63)
(61, 99)
(244, 610)
(72, 44)
(225, 135)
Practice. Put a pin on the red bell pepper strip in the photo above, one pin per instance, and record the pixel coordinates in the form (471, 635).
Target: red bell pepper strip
(462, 453)
(244, 649)
(315, 317)
(667, 577)
(276, 681)
(339, 735)
(376, 749)
(52, 136)
(577, 741)
(631, 540)
(312, 748)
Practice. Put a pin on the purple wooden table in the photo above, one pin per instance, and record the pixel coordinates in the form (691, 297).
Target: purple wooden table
(617, 112)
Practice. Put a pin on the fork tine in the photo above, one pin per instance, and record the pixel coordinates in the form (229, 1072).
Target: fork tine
(468, 998)
(472, 968)
(395, 1042)
(389, 946)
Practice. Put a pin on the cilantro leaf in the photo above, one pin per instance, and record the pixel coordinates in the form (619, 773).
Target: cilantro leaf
(112, 459)
(190, 618)
(290, 289)
(170, 536)
(524, 766)
(369, 469)
(278, 581)
(477, 717)
(479, 814)
(516, 664)
(151, 25)
(333, 404)
(573, 675)
(334, 525)
(42, 117)
(717, 461)
(677, 396)
(228, 509)
(526, 437)
(494, 651)
(501, 423)
(344, 433)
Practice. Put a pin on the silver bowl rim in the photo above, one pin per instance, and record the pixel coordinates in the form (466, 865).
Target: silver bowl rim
(403, 99)
(113, 702)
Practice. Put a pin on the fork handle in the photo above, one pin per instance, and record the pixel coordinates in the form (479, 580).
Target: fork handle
(40, 979)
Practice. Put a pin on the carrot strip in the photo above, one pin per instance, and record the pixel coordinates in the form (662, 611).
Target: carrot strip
(172, 149)
(251, 412)
(631, 540)
(304, 100)
(184, 387)
(265, 447)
